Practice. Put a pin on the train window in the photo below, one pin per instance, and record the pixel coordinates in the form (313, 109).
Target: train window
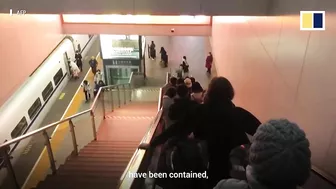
(47, 91)
(58, 76)
(33, 110)
(20, 128)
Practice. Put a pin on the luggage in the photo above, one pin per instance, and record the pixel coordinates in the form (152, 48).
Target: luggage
(239, 161)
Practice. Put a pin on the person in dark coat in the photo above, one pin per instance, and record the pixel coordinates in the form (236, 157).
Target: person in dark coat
(223, 126)
(208, 62)
(79, 62)
(97, 87)
(164, 57)
(152, 50)
(93, 64)
(172, 83)
(182, 104)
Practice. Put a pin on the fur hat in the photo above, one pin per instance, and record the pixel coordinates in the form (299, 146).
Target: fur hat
(280, 154)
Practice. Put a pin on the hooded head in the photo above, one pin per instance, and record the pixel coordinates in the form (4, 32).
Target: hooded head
(279, 155)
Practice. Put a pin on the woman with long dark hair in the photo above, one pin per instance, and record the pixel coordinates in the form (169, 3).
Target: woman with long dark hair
(164, 56)
(223, 126)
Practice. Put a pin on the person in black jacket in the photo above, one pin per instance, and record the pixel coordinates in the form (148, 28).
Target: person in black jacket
(219, 122)
(164, 56)
(223, 126)
(79, 62)
(182, 106)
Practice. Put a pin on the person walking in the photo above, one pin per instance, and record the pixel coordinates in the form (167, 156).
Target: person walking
(208, 62)
(93, 64)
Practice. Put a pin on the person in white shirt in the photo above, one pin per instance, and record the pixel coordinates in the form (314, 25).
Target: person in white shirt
(86, 89)
(74, 69)
(98, 76)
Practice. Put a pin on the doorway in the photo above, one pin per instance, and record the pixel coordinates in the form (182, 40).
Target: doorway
(67, 66)
(120, 74)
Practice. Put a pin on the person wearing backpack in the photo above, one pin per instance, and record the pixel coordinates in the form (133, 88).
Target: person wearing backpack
(185, 67)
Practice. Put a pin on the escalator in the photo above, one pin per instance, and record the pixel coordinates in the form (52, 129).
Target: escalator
(144, 161)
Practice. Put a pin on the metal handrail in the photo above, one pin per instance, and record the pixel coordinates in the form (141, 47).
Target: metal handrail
(4, 148)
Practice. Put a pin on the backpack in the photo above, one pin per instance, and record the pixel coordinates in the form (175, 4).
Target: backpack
(188, 155)
(239, 161)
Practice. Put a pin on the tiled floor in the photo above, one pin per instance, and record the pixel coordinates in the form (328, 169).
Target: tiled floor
(194, 48)
(129, 123)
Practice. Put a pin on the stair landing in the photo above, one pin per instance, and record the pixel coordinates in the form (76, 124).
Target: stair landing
(128, 123)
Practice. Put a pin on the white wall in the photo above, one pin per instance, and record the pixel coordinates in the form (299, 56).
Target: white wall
(279, 71)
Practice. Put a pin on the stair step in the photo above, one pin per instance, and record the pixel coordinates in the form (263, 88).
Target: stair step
(108, 147)
(96, 168)
(89, 160)
(88, 184)
(79, 173)
(107, 150)
(94, 163)
(93, 179)
(106, 155)
(113, 144)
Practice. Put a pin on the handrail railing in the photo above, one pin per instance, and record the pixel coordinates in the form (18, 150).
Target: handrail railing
(4, 148)
(126, 182)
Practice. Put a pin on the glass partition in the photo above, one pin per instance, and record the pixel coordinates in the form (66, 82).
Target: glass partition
(121, 56)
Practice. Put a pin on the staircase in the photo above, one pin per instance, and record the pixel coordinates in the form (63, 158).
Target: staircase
(101, 163)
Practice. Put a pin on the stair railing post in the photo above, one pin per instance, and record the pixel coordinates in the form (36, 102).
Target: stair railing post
(124, 87)
(9, 166)
(118, 90)
(130, 92)
(112, 101)
(102, 98)
(73, 136)
(93, 125)
(50, 152)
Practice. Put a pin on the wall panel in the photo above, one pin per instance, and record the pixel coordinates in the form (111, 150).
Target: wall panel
(279, 71)
(25, 41)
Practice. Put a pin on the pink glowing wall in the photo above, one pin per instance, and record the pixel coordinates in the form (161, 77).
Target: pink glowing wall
(25, 41)
(279, 71)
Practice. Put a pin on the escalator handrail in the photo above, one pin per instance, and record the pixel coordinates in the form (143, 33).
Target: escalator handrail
(138, 156)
